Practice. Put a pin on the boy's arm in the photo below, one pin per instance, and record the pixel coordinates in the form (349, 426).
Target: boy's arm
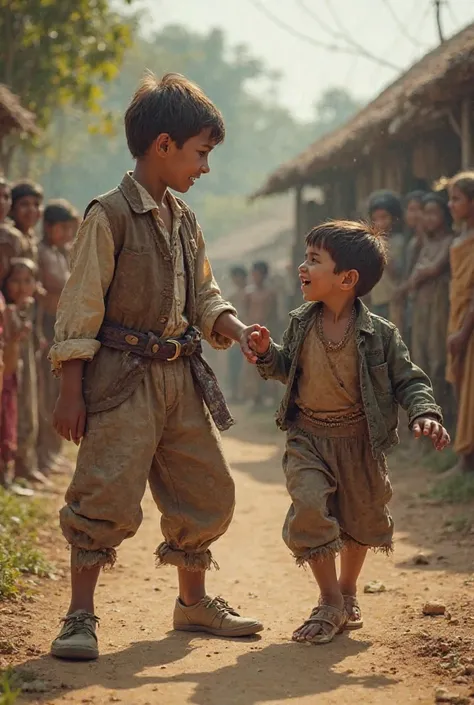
(276, 362)
(79, 317)
(218, 329)
(411, 386)
(81, 306)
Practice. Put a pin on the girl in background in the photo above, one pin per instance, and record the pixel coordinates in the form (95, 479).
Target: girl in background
(385, 212)
(460, 369)
(429, 286)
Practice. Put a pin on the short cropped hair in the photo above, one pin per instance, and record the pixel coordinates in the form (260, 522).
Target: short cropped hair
(59, 211)
(352, 245)
(24, 188)
(238, 272)
(172, 105)
(261, 267)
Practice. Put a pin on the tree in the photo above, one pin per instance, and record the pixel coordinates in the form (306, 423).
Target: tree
(334, 108)
(59, 53)
(261, 134)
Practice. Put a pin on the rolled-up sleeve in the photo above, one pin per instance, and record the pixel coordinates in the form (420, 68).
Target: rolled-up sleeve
(210, 304)
(81, 307)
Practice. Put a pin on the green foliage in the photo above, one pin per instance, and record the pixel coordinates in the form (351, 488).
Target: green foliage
(56, 53)
(261, 134)
(19, 553)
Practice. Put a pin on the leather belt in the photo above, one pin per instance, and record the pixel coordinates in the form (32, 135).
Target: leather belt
(149, 344)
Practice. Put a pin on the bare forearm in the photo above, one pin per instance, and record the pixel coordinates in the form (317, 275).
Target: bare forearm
(229, 326)
(72, 372)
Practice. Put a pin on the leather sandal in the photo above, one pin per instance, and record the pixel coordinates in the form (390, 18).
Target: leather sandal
(354, 613)
(325, 615)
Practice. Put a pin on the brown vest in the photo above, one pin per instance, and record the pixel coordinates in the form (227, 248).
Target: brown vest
(141, 293)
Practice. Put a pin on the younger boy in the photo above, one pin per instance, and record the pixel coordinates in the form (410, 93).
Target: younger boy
(59, 221)
(129, 323)
(346, 370)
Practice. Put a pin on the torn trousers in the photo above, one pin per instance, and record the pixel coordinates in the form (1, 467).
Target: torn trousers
(339, 492)
(162, 434)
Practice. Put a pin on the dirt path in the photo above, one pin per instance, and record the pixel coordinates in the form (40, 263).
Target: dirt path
(397, 658)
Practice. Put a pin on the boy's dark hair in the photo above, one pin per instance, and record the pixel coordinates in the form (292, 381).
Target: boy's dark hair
(442, 203)
(59, 211)
(172, 105)
(238, 272)
(24, 188)
(352, 245)
(261, 267)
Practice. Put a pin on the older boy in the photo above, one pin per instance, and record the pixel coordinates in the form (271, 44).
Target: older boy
(130, 319)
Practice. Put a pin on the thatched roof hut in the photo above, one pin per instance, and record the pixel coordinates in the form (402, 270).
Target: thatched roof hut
(13, 117)
(430, 93)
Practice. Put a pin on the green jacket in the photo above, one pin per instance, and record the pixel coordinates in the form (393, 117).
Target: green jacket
(388, 378)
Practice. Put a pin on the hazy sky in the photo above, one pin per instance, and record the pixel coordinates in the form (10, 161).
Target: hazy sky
(400, 31)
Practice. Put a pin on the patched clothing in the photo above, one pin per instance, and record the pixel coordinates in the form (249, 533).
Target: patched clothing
(340, 411)
(146, 416)
(388, 378)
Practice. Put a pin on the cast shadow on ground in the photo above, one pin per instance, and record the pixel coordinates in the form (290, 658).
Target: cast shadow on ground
(273, 672)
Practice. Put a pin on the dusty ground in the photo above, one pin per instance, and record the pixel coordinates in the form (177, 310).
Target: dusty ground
(400, 657)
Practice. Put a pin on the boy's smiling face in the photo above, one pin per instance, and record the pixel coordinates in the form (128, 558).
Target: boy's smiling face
(317, 275)
(319, 282)
(180, 167)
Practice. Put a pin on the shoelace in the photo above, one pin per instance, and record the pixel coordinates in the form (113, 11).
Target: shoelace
(222, 606)
(73, 624)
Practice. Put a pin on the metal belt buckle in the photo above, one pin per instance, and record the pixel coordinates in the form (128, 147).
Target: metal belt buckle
(177, 352)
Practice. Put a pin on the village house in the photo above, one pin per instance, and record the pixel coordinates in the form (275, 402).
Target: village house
(418, 129)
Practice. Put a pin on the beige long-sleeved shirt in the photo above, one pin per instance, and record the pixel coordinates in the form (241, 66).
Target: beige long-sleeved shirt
(81, 307)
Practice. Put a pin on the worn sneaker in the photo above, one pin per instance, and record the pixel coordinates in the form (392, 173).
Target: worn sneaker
(214, 616)
(77, 638)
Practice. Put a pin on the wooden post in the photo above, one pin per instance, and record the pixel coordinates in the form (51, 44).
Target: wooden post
(296, 245)
(466, 134)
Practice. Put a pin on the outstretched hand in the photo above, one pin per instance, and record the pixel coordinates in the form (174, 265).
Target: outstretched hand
(260, 341)
(430, 428)
(248, 341)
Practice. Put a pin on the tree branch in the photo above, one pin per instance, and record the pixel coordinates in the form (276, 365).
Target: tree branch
(353, 48)
(438, 20)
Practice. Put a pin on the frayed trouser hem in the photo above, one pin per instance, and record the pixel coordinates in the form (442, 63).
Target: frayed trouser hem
(329, 550)
(332, 549)
(86, 560)
(348, 541)
(197, 562)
